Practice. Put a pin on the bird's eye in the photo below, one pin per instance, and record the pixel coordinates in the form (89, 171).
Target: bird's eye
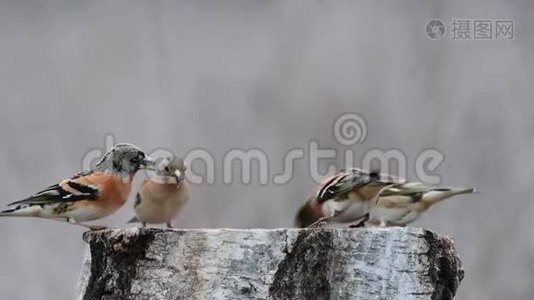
(134, 159)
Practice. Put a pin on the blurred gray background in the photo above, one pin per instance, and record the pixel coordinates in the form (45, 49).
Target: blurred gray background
(271, 75)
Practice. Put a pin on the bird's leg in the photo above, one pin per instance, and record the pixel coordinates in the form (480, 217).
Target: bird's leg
(143, 224)
(322, 222)
(169, 225)
(91, 227)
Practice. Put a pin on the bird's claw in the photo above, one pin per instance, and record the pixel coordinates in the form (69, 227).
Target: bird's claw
(319, 224)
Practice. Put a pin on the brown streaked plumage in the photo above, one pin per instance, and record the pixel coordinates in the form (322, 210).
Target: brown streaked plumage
(345, 197)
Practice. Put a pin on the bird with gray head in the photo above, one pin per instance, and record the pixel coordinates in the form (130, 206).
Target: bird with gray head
(163, 195)
(88, 195)
(124, 159)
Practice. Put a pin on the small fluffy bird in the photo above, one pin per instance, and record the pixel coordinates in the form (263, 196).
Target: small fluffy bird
(162, 196)
(345, 197)
(403, 204)
(89, 195)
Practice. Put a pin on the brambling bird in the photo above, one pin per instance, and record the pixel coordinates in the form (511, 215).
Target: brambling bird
(345, 197)
(89, 195)
(403, 204)
(162, 197)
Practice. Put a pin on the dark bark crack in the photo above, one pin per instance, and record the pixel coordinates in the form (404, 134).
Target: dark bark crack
(444, 269)
(113, 262)
(305, 271)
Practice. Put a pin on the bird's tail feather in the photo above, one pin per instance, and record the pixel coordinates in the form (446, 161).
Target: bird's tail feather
(18, 212)
(7, 212)
(31, 210)
(440, 194)
(456, 191)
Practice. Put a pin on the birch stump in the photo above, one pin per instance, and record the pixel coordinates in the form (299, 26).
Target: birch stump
(326, 263)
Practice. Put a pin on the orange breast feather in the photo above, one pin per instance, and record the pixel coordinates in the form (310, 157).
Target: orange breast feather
(113, 190)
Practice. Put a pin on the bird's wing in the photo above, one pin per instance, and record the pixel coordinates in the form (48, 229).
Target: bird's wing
(83, 186)
(137, 200)
(409, 188)
(141, 193)
(341, 184)
(402, 195)
(399, 201)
